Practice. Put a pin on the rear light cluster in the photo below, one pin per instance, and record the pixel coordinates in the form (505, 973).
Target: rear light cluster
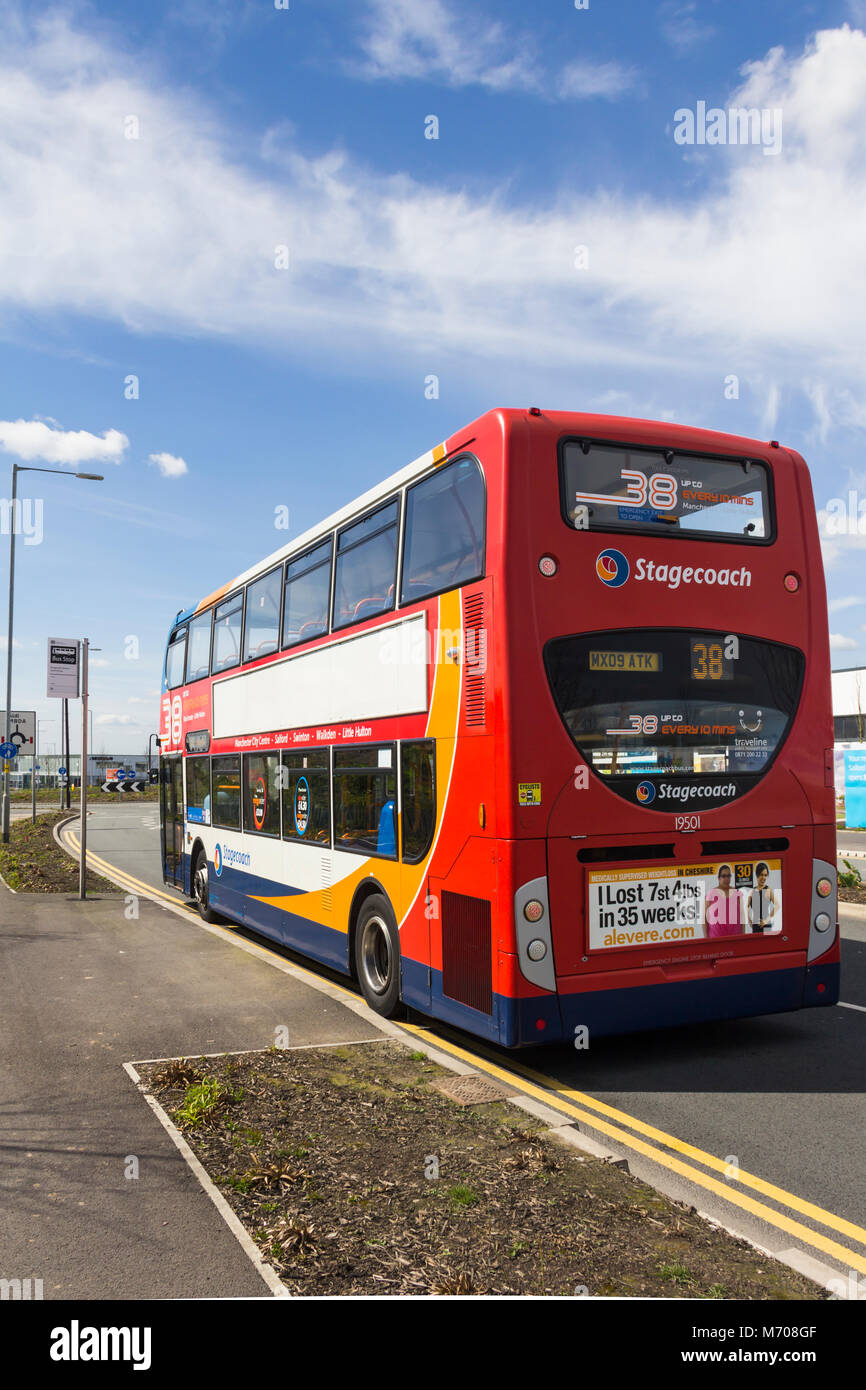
(533, 911)
(823, 888)
(532, 930)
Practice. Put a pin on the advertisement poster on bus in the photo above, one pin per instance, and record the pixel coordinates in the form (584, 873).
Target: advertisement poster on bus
(684, 902)
(855, 788)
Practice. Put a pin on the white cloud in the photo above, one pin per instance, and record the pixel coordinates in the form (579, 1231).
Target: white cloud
(169, 465)
(34, 440)
(170, 233)
(770, 412)
(108, 719)
(840, 643)
(426, 39)
(681, 29)
(587, 79)
(838, 605)
(433, 41)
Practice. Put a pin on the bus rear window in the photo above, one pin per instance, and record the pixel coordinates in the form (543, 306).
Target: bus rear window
(678, 704)
(609, 487)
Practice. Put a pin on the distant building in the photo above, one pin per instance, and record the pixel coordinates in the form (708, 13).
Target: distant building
(98, 765)
(849, 705)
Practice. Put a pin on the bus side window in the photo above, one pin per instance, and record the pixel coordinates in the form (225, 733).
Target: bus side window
(198, 790)
(306, 788)
(418, 798)
(365, 797)
(444, 540)
(226, 798)
(262, 630)
(308, 590)
(175, 659)
(261, 793)
(198, 647)
(366, 566)
(227, 633)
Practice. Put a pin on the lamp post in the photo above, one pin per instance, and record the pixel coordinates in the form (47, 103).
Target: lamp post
(16, 469)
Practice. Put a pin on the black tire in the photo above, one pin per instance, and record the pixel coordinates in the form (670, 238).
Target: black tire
(377, 956)
(201, 889)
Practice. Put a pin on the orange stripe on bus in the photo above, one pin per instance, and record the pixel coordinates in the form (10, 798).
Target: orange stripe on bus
(212, 598)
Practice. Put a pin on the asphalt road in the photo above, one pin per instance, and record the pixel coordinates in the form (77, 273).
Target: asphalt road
(783, 1094)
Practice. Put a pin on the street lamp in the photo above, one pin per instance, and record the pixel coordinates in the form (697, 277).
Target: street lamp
(16, 469)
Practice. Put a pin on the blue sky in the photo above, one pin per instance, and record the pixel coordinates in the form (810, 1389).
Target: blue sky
(153, 158)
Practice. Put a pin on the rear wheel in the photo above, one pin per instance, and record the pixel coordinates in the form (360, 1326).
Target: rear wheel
(377, 956)
(201, 890)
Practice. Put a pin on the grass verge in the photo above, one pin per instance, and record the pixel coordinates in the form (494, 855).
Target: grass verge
(33, 862)
(355, 1176)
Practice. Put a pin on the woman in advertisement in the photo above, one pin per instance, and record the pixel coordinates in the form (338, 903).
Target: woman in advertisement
(762, 902)
(723, 912)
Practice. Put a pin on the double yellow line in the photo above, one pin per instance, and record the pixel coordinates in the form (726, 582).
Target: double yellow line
(598, 1116)
(135, 885)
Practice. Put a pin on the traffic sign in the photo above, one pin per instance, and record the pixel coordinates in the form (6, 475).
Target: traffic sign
(22, 728)
(61, 771)
(8, 750)
(64, 661)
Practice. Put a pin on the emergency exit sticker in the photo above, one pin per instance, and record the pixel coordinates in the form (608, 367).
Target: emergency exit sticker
(529, 793)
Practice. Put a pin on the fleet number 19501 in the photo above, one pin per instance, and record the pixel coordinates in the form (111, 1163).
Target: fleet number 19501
(686, 823)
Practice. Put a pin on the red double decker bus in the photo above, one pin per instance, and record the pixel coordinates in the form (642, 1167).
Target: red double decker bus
(534, 737)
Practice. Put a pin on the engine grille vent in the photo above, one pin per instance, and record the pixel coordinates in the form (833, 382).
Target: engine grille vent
(474, 660)
(467, 965)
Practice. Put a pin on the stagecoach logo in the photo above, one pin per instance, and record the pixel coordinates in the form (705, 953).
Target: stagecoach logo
(685, 793)
(302, 805)
(611, 566)
(217, 860)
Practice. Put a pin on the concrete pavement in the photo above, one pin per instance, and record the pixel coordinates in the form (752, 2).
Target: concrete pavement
(83, 989)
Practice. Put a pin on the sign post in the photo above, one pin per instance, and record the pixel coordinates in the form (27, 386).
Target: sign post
(68, 756)
(64, 660)
(22, 735)
(82, 867)
(67, 670)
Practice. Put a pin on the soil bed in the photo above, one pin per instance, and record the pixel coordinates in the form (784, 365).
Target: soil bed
(33, 862)
(356, 1176)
